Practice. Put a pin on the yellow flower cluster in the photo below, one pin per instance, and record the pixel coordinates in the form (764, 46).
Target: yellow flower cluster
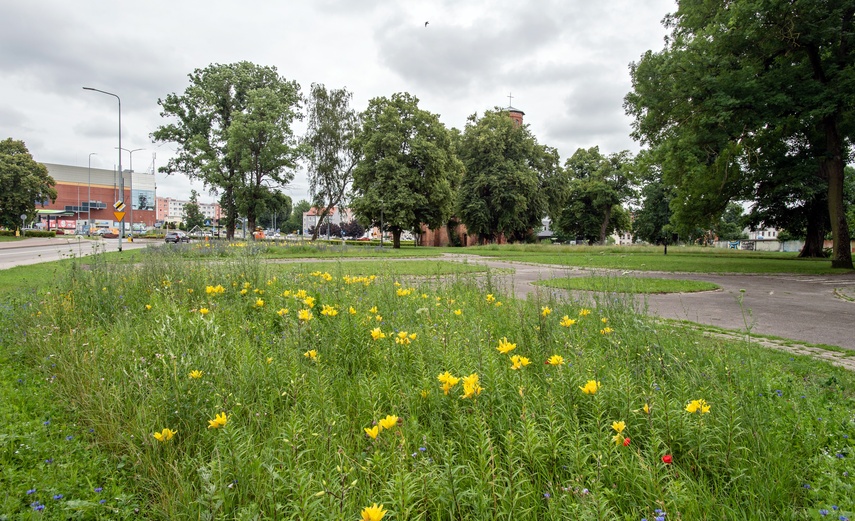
(219, 421)
(584, 312)
(618, 437)
(555, 360)
(377, 333)
(606, 331)
(405, 292)
(282, 312)
(591, 387)
(470, 386)
(490, 298)
(385, 423)
(567, 321)
(545, 311)
(321, 275)
(448, 381)
(195, 374)
(458, 312)
(164, 435)
(403, 338)
(305, 315)
(373, 513)
(518, 362)
(505, 347)
(309, 301)
(359, 280)
(698, 406)
(328, 311)
(204, 311)
(215, 290)
(259, 303)
(311, 354)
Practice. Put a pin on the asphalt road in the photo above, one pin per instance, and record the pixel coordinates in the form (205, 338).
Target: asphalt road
(36, 250)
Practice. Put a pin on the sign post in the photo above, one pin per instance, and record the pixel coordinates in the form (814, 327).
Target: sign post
(119, 214)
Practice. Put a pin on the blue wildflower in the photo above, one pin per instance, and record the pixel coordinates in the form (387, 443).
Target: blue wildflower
(103, 501)
(31, 491)
(69, 437)
(99, 489)
(823, 512)
(37, 506)
(58, 496)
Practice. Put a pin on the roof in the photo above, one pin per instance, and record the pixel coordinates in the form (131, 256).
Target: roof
(512, 109)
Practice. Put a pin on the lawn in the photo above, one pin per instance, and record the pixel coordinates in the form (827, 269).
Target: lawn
(628, 284)
(227, 388)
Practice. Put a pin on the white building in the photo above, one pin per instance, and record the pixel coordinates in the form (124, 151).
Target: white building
(172, 210)
(310, 218)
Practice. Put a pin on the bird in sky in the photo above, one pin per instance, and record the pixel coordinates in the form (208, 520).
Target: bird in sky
(426, 24)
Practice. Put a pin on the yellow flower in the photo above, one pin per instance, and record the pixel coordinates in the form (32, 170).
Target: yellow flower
(584, 312)
(646, 409)
(567, 321)
(404, 292)
(490, 298)
(301, 294)
(448, 381)
(470, 386)
(379, 318)
(244, 291)
(505, 347)
(148, 306)
(286, 293)
(619, 426)
(204, 311)
(618, 439)
(282, 312)
(372, 432)
(219, 421)
(329, 311)
(545, 311)
(606, 331)
(519, 362)
(604, 320)
(388, 422)
(269, 359)
(305, 315)
(412, 336)
(195, 374)
(424, 393)
(309, 301)
(402, 338)
(373, 513)
(373, 310)
(164, 435)
(591, 387)
(377, 333)
(555, 360)
(351, 310)
(247, 285)
(458, 312)
(259, 303)
(311, 354)
(215, 290)
(698, 406)
(498, 304)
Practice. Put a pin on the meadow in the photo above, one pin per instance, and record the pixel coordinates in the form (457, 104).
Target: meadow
(189, 385)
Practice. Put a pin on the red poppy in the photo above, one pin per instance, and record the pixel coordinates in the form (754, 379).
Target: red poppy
(667, 459)
(626, 442)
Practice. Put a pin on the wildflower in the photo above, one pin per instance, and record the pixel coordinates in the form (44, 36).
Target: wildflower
(617, 438)
(646, 409)
(402, 338)
(35, 505)
(373, 513)
(329, 311)
(584, 312)
(372, 432)
(626, 442)
(606, 331)
(98, 490)
(377, 333)
(823, 512)
(591, 387)
(505, 346)
(404, 292)
(498, 304)
(147, 307)
(424, 393)
(698, 406)
(269, 359)
(219, 421)
(164, 435)
(458, 312)
(389, 421)
(244, 291)
(555, 360)
(373, 310)
(305, 315)
(259, 303)
(351, 310)
(604, 320)
(619, 426)
(518, 362)
(490, 298)
(470, 386)
(545, 311)
(311, 354)
(309, 301)
(566, 321)
(31, 491)
(195, 373)
(301, 294)
(282, 312)
(448, 381)
(667, 459)
(204, 311)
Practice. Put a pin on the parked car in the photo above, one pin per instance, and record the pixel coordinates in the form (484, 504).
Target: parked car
(176, 236)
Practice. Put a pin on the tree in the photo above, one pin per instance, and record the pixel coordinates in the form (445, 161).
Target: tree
(294, 224)
(332, 125)
(276, 212)
(595, 187)
(24, 182)
(653, 220)
(193, 217)
(353, 229)
(731, 223)
(744, 85)
(233, 129)
(407, 166)
(501, 193)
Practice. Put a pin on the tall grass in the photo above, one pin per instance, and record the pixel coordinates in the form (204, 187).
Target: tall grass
(298, 395)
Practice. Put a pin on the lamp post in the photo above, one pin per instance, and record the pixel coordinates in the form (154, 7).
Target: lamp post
(131, 153)
(121, 180)
(89, 197)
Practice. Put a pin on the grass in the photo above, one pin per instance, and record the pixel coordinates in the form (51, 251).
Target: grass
(111, 353)
(418, 268)
(632, 285)
(645, 258)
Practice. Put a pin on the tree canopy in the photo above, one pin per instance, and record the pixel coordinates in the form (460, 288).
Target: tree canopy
(747, 96)
(233, 128)
(193, 216)
(407, 166)
(502, 190)
(331, 157)
(24, 182)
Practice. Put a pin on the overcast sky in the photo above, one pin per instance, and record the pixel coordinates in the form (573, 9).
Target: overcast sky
(565, 63)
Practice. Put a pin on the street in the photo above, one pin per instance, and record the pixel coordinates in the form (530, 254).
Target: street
(36, 250)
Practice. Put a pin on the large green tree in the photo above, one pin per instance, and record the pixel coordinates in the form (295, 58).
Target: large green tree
(24, 182)
(502, 190)
(331, 157)
(653, 219)
(193, 216)
(233, 129)
(407, 166)
(294, 224)
(276, 212)
(594, 189)
(748, 83)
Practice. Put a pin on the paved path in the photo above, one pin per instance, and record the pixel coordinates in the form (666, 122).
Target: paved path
(805, 308)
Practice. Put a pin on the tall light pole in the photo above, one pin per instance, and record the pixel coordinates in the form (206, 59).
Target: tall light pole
(121, 180)
(131, 152)
(89, 197)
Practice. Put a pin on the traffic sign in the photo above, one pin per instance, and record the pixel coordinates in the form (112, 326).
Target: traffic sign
(119, 215)
(119, 206)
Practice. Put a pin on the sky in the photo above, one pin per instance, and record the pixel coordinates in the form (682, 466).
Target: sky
(566, 64)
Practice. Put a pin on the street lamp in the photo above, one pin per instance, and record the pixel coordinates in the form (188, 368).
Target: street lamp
(89, 197)
(121, 180)
(131, 216)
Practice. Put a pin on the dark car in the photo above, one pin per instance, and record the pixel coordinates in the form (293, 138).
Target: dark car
(176, 236)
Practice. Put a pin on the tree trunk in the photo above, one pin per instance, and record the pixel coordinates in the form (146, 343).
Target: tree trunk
(605, 225)
(832, 168)
(396, 238)
(321, 217)
(815, 231)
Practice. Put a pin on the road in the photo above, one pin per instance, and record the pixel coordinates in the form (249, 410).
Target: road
(36, 250)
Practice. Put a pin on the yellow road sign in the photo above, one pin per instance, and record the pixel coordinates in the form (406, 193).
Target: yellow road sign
(119, 215)
(119, 206)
